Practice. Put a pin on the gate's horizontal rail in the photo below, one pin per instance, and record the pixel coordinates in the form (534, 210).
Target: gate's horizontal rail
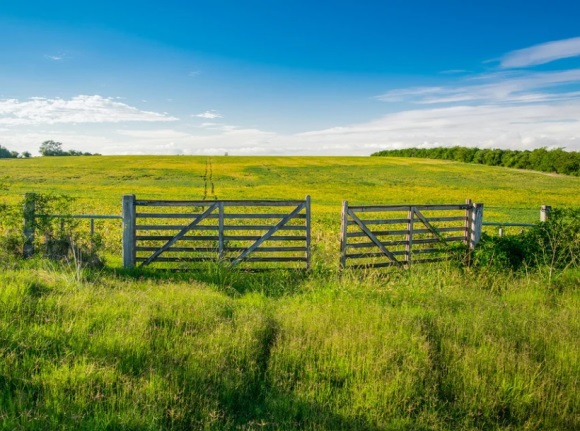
(240, 227)
(216, 216)
(403, 242)
(379, 208)
(211, 259)
(225, 238)
(226, 203)
(405, 232)
(225, 249)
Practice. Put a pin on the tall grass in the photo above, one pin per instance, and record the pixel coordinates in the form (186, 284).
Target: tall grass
(430, 349)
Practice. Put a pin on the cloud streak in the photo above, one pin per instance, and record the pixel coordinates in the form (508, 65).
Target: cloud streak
(541, 54)
(208, 115)
(79, 109)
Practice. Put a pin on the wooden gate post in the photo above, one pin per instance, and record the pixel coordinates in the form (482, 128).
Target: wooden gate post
(129, 231)
(29, 224)
(343, 231)
(308, 231)
(545, 211)
(409, 236)
(476, 225)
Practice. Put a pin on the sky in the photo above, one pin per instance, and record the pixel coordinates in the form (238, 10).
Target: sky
(263, 77)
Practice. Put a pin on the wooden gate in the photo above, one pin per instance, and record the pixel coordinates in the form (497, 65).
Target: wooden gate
(257, 234)
(399, 235)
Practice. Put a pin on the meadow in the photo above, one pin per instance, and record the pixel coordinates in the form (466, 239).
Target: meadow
(432, 348)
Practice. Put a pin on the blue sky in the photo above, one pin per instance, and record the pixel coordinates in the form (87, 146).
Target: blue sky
(300, 77)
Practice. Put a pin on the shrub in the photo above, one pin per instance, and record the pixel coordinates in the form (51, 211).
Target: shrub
(553, 244)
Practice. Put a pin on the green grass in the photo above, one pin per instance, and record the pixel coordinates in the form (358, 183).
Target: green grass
(430, 349)
(433, 348)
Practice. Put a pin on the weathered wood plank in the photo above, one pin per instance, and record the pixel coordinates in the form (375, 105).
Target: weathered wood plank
(409, 238)
(379, 222)
(343, 234)
(174, 227)
(406, 232)
(185, 238)
(374, 254)
(394, 243)
(214, 216)
(373, 265)
(387, 208)
(227, 203)
(129, 232)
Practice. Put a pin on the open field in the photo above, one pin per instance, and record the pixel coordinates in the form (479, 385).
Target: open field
(433, 348)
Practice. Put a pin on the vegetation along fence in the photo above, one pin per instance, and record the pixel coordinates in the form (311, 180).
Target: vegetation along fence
(31, 216)
(375, 236)
(248, 233)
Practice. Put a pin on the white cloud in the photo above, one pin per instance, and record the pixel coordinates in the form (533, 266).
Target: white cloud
(208, 115)
(79, 109)
(542, 53)
(58, 57)
(502, 87)
(516, 127)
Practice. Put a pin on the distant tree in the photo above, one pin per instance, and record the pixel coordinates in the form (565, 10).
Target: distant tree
(25, 155)
(5, 153)
(51, 148)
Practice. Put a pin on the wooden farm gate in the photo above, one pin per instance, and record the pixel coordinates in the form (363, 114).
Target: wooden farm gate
(375, 236)
(252, 234)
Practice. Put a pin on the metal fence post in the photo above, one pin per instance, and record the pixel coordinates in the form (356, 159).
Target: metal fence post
(129, 231)
(29, 224)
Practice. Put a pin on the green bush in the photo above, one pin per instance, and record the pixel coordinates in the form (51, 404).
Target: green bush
(553, 244)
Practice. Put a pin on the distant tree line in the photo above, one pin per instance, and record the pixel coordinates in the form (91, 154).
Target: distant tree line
(52, 149)
(541, 159)
(5, 153)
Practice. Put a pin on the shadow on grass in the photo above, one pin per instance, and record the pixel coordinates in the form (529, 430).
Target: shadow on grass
(231, 281)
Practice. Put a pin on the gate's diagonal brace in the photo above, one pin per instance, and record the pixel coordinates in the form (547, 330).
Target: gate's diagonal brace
(181, 234)
(429, 226)
(373, 238)
(267, 235)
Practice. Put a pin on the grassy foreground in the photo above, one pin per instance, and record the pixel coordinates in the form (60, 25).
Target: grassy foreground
(433, 348)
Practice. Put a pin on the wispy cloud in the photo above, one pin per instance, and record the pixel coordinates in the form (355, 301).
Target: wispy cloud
(208, 115)
(502, 87)
(58, 57)
(542, 53)
(79, 109)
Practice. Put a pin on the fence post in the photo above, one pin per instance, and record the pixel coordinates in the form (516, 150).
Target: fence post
(343, 232)
(476, 224)
(221, 231)
(409, 238)
(308, 232)
(29, 224)
(545, 211)
(129, 231)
